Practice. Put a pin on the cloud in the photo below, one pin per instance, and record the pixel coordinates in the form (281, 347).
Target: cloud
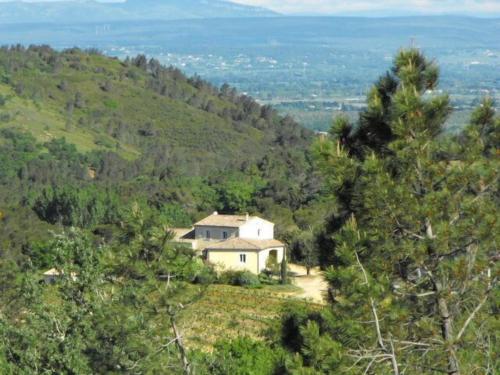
(466, 7)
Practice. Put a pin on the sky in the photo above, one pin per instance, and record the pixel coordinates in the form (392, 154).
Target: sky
(465, 7)
(371, 7)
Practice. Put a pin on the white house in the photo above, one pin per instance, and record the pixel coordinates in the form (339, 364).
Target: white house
(239, 242)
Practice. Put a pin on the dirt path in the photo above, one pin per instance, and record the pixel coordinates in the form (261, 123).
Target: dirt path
(314, 286)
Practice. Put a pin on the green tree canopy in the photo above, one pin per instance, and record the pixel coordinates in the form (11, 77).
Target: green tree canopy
(412, 276)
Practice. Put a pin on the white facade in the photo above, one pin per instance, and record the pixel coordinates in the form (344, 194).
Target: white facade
(278, 252)
(257, 229)
(252, 228)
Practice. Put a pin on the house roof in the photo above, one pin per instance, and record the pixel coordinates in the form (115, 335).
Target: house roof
(244, 244)
(54, 272)
(183, 233)
(230, 221)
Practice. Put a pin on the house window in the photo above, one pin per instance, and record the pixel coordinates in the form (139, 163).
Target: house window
(208, 234)
(243, 258)
(224, 235)
(258, 232)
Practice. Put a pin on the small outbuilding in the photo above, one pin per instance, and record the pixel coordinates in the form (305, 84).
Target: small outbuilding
(52, 275)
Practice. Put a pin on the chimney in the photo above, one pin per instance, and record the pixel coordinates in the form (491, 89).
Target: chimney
(215, 213)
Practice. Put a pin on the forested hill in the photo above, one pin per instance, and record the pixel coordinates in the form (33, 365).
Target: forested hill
(82, 135)
(69, 12)
(138, 109)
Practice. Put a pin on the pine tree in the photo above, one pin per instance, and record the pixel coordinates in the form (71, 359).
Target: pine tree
(111, 309)
(53, 330)
(414, 270)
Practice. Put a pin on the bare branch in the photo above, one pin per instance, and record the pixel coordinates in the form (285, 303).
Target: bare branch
(361, 266)
(476, 310)
(412, 234)
(373, 307)
(411, 343)
(394, 361)
(182, 349)
(369, 366)
(377, 324)
(428, 230)
(418, 295)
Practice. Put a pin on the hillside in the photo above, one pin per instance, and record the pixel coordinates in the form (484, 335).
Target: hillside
(109, 154)
(94, 11)
(98, 103)
(81, 132)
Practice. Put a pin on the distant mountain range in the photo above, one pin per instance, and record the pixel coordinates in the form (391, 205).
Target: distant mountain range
(95, 11)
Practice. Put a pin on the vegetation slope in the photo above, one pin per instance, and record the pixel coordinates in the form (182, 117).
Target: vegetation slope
(82, 135)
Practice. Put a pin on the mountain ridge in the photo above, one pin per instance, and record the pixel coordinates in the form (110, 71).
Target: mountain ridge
(20, 12)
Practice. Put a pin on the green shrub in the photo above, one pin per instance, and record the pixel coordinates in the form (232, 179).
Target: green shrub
(176, 215)
(239, 278)
(205, 276)
(111, 104)
(242, 356)
(104, 143)
(266, 278)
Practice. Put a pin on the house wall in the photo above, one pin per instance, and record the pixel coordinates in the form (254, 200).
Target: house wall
(50, 279)
(264, 254)
(216, 233)
(251, 229)
(230, 259)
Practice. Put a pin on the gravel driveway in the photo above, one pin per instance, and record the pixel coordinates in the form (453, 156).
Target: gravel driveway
(314, 286)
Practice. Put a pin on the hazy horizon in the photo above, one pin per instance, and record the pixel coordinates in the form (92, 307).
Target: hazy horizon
(362, 8)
